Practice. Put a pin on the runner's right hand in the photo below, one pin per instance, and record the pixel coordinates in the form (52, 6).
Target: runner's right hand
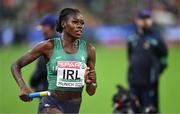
(24, 95)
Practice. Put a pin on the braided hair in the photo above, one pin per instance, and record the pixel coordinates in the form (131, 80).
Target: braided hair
(64, 15)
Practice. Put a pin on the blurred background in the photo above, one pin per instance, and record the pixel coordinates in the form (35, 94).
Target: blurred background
(107, 25)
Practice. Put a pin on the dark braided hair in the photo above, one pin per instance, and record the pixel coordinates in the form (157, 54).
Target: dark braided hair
(63, 16)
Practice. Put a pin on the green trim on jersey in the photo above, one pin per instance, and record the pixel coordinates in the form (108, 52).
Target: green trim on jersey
(59, 54)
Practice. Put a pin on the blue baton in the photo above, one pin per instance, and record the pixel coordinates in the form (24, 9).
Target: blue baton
(39, 94)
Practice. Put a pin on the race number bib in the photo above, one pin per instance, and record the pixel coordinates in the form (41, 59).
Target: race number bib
(70, 74)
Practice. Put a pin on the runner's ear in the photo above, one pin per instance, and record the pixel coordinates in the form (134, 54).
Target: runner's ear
(63, 24)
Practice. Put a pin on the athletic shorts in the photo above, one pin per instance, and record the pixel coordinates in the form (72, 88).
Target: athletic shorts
(64, 106)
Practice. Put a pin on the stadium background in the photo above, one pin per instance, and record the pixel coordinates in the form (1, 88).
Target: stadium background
(108, 23)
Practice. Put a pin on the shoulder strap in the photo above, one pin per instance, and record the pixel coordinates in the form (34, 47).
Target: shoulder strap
(57, 43)
(82, 44)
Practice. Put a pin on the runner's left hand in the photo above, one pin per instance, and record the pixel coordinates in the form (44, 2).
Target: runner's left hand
(90, 76)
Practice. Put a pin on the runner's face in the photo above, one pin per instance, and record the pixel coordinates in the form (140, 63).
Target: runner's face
(74, 25)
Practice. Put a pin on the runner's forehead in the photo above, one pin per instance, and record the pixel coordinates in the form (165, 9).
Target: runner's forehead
(77, 16)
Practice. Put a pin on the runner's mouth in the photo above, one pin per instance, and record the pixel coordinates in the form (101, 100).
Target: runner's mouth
(79, 31)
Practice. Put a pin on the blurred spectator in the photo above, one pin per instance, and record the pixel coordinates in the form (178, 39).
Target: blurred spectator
(34, 34)
(20, 16)
(147, 56)
(7, 35)
(162, 16)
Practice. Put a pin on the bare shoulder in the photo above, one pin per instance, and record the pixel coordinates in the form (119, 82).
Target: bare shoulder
(43, 46)
(47, 44)
(90, 48)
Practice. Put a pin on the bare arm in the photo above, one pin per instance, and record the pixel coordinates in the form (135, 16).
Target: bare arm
(29, 57)
(91, 76)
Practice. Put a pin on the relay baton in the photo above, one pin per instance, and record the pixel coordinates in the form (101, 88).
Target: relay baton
(39, 94)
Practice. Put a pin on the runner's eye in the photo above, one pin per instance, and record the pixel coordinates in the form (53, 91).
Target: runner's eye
(82, 22)
(75, 22)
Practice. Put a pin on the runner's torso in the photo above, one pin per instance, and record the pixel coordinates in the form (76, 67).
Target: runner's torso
(66, 71)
